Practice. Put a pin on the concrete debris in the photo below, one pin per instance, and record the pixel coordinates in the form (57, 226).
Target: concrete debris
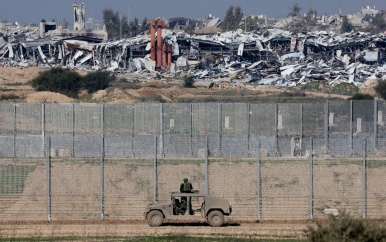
(275, 57)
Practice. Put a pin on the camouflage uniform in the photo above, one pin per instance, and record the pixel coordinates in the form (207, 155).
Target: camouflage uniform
(186, 186)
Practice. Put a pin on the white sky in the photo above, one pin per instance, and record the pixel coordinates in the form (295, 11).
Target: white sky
(32, 11)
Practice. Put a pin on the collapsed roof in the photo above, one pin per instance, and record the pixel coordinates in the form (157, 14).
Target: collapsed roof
(274, 57)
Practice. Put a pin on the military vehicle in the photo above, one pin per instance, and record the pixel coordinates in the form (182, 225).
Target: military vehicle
(186, 207)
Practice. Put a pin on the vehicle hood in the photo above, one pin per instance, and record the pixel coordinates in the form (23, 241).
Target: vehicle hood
(157, 206)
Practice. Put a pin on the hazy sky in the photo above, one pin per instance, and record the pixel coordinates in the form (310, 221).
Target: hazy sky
(30, 11)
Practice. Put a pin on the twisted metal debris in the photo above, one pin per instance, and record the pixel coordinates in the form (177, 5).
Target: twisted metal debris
(275, 57)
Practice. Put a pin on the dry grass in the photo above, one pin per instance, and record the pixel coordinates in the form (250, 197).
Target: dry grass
(48, 97)
(133, 87)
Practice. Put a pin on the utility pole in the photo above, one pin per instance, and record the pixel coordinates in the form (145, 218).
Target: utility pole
(128, 11)
(120, 26)
(245, 22)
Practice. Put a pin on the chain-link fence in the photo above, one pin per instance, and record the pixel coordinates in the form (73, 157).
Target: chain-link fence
(271, 161)
(259, 187)
(24, 128)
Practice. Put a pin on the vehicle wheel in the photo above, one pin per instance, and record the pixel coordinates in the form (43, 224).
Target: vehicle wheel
(154, 218)
(216, 218)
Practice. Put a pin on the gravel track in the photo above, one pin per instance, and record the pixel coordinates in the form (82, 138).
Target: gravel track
(140, 228)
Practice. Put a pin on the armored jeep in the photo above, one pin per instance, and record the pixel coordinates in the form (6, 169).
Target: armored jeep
(185, 207)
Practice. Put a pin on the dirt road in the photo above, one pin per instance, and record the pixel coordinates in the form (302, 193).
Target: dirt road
(140, 228)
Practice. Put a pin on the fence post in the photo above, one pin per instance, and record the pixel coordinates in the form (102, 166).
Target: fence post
(276, 129)
(258, 165)
(102, 161)
(219, 124)
(375, 124)
(364, 179)
(326, 126)
(155, 185)
(43, 128)
(73, 130)
(248, 126)
(206, 166)
(161, 118)
(301, 120)
(48, 179)
(191, 129)
(14, 130)
(311, 212)
(102, 119)
(132, 130)
(351, 126)
(102, 177)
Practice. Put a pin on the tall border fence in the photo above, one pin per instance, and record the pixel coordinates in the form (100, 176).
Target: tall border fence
(24, 128)
(271, 161)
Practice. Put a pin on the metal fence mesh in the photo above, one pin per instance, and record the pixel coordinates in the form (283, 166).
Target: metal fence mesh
(205, 118)
(285, 189)
(236, 180)
(262, 119)
(118, 119)
(29, 118)
(75, 196)
(110, 160)
(339, 118)
(234, 118)
(376, 191)
(338, 185)
(147, 118)
(289, 119)
(313, 119)
(23, 190)
(177, 119)
(381, 119)
(333, 119)
(260, 186)
(363, 117)
(7, 118)
(59, 118)
(88, 118)
(128, 188)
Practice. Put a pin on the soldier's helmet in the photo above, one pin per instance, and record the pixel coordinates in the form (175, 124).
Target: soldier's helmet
(185, 179)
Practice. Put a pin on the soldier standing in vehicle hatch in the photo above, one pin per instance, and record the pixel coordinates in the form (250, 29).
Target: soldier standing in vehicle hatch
(186, 186)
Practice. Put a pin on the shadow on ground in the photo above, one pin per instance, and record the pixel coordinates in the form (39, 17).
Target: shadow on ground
(199, 224)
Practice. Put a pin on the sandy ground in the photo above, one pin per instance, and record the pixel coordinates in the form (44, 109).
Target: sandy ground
(14, 86)
(75, 203)
(140, 228)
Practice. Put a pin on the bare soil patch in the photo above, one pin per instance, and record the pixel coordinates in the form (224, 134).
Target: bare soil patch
(48, 97)
(133, 87)
(139, 228)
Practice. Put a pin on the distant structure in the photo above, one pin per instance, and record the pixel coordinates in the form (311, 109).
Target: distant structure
(79, 16)
(45, 27)
(368, 10)
(80, 31)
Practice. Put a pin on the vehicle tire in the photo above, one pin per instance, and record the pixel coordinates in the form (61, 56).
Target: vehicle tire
(155, 218)
(216, 218)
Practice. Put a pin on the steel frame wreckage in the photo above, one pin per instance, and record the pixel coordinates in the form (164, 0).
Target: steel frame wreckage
(275, 57)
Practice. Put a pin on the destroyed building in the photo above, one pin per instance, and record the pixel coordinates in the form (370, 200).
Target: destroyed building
(269, 58)
(53, 29)
(79, 16)
(274, 57)
(46, 27)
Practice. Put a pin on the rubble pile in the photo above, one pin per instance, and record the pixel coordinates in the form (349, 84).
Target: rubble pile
(275, 57)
